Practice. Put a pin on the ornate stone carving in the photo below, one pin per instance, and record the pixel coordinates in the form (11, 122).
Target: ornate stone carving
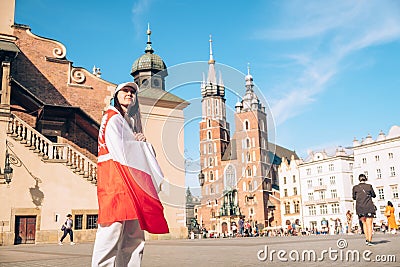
(77, 75)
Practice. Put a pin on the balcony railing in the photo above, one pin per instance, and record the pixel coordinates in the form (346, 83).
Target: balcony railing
(52, 152)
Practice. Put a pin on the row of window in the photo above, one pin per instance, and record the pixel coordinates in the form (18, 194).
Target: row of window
(333, 193)
(392, 172)
(87, 221)
(332, 181)
(377, 158)
(296, 205)
(293, 179)
(216, 106)
(323, 209)
(246, 186)
(224, 135)
(322, 195)
(331, 168)
(394, 189)
(285, 192)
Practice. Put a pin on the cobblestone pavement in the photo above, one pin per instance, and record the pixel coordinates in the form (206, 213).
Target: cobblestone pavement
(258, 251)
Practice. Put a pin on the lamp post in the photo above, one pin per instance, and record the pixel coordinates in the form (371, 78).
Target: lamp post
(8, 171)
(201, 178)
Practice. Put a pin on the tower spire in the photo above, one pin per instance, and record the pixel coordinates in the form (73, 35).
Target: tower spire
(211, 61)
(148, 49)
(212, 77)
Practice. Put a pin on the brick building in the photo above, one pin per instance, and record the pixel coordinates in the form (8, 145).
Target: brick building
(50, 112)
(240, 172)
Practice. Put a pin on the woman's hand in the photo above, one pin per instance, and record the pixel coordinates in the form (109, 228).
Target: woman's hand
(140, 137)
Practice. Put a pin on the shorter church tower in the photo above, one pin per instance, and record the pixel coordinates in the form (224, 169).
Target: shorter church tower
(252, 155)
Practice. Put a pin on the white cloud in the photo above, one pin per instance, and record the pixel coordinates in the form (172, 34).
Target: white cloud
(138, 10)
(331, 32)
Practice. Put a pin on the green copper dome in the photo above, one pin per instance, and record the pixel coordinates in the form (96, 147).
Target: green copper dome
(148, 61)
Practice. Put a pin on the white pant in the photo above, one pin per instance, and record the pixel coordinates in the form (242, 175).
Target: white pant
(118, 244)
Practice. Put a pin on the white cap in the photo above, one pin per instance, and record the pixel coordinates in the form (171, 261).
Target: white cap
(122, 85)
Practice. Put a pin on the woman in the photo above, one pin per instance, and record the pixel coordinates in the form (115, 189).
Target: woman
(365, 208)
(127, 197)
(391, 220)
(68, 230)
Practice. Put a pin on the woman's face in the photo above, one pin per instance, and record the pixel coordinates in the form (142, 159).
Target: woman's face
(126, 96)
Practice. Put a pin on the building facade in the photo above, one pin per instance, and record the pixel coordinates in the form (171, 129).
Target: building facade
(290, 192)
(379, 160)
(326, 181)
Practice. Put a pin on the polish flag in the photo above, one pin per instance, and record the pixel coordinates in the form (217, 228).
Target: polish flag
(134, 163)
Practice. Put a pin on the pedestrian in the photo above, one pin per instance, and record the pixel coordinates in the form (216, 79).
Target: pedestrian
(349, 217)
(127, 196)
(389, 213)
(234, 229)
(67, 228)
(365, 208)
(241, 226)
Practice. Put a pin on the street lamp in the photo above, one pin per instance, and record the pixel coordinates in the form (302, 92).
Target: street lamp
(201, 178)
(8, 171)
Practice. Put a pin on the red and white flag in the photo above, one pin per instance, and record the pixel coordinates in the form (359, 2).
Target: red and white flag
(129, 177)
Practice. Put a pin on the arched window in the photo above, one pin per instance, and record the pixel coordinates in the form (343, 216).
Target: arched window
(209, 135)
(250, 186)
(211, 176)
(262, 125)
(230, 178)
(248, 144)
(248, 172)
(246, 125)
(210, 148)
(210, 162)
(208, 123)
(248, 157)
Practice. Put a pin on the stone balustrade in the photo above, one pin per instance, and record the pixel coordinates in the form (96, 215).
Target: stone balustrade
(52, 152)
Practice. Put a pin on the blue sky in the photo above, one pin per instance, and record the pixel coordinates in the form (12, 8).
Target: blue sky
(329, 70)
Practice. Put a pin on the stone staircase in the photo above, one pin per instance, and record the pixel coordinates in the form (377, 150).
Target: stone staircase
(51, 152)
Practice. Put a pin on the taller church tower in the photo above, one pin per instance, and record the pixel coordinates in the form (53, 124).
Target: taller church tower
(214, 129)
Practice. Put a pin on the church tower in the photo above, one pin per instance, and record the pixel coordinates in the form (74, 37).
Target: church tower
(252, 155)
(214, 130)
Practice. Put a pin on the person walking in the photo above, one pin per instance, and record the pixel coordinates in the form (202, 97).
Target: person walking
(365, 208)
(67, 226)
(389, 213)
(349, 218)
(126, 184)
